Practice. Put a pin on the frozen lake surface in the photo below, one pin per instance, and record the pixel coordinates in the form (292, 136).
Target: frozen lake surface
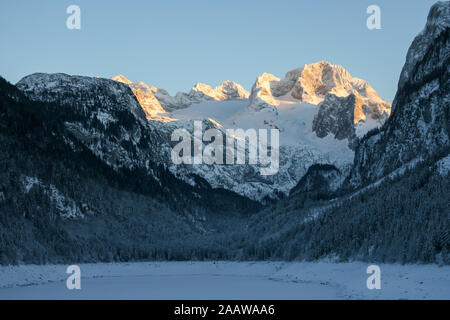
(225, 280)
(174, 287)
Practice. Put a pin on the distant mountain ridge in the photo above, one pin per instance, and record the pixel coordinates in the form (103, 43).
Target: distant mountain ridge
(337, 94)
(162, 101)
(329, 105)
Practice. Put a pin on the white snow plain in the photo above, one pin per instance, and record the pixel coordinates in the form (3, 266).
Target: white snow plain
(225, 280)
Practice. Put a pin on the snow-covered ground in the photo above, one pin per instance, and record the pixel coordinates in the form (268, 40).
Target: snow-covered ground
(225, 280)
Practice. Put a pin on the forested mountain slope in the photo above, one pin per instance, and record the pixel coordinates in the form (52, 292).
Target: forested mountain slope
(59, 202)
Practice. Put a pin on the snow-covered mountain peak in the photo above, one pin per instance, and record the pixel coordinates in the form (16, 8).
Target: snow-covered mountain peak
(318, 84)
(313, 82)
(265, 88)
(230, 90)
(227, 90)
(202, 87)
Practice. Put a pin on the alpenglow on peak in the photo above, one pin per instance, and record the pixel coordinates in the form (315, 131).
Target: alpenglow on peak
(314, 83)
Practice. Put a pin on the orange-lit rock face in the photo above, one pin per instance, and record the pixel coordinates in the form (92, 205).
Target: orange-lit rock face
(156, 102)
(358, 113)
(149, 103)
(368, 103)
(313, 82)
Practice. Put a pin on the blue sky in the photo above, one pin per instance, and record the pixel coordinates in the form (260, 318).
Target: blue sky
(174, 44)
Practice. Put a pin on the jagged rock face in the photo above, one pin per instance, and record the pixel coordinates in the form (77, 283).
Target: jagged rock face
(144, 94)
(419, 125)
(336, 117)
(262, 96)
(230, 90)
(315, 81)
(315, 84)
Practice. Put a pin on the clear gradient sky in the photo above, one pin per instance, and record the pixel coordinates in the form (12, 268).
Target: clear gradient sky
(174, 44)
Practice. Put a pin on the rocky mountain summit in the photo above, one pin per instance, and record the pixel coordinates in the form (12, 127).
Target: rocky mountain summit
(227, 90)
(333, 90)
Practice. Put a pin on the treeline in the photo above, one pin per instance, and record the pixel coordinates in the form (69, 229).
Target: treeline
(405, 220)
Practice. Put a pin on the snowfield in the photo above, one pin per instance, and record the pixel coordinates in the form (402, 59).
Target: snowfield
(225, 280)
